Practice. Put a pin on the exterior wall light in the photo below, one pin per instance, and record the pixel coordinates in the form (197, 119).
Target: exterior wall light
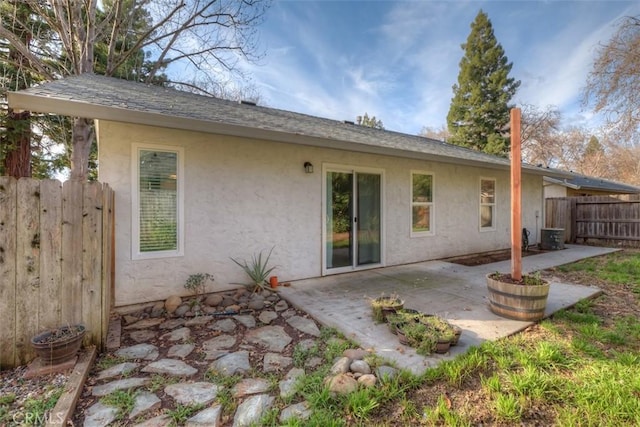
(308, 167)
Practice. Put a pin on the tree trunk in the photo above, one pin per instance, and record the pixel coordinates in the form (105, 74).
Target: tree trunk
(82, 139)
(17, 161)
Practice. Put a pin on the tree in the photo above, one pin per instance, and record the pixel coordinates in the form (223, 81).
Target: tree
(208, 36)
(540, 135)
(479, 113)
(441, 134)
(370, 122)
(613, 85)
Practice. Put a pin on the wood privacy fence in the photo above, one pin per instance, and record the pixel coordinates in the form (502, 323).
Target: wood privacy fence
(56, 261)
(607, 220)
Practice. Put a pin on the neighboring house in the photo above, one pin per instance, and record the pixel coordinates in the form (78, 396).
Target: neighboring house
(580, 185)
(199, 180)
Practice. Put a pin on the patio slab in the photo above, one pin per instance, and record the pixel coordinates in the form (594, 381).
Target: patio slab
(455, 292)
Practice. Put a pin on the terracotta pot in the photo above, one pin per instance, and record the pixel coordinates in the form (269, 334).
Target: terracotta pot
(273, 281)
(53, 350)
(442, 346)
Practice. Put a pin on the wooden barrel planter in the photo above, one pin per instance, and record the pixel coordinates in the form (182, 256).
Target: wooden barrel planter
(516, 301)
(59, 345)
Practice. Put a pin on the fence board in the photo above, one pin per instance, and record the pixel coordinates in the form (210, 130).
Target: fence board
(56, 261)
(8, 220)
(50, 253)
(27, 266)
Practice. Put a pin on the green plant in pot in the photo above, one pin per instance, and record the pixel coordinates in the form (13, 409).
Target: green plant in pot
(385, 305)
(524, 299)
(420, 336)
(258, 270)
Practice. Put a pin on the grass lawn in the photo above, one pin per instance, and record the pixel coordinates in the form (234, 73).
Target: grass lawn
(579, 368)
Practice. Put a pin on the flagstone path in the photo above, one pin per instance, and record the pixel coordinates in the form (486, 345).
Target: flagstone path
(167, 360)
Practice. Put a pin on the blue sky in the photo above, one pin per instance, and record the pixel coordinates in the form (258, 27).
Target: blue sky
(398, 60)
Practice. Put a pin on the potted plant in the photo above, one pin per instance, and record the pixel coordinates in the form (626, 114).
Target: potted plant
(258, 271)
(385, 305)
(420, 336)
(524, 299)
(58, 345)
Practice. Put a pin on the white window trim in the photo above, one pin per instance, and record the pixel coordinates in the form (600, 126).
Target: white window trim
(480, 204)
(432, 205)
(135, 202)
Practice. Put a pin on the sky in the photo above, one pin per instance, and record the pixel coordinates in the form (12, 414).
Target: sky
(398, 60)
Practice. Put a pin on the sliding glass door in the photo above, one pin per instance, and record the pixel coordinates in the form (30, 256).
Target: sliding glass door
(353, 219)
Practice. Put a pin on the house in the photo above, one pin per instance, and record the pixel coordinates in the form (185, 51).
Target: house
(581, 185)
(199, 180)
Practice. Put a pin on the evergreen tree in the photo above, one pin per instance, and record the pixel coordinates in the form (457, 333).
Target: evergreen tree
(370, 122)
(479, 111)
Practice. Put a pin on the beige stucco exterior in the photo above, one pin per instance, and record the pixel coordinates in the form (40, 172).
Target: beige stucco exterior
(243, 196)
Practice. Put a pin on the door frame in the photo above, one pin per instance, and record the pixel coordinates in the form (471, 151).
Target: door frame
(335, 167)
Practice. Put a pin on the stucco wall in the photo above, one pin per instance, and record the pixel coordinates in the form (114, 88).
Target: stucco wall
(243, 196)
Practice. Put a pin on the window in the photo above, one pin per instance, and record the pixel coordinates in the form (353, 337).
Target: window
(487, 203)
(421, 203)
(157, 202)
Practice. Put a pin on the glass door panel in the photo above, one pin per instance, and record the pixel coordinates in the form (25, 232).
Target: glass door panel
(368, 218)
(339, 238)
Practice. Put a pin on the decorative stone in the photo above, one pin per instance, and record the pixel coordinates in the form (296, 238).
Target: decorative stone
(304, 324)
(158, 309)
(386, 372)
(287, 385)
(181, 310)
(220, 342)
(145, 402)
(267, 317)
(252, 410)
(170, 367)
(213, 300)
(298, 411)
(224, 325)
(233, 308)
(172, 303)
(355, 353)
(100, 415)
(281, 306)
(313, 362)
(360, 366)
(232, 363)
(367, 380)
(198, 321)
(124, 384)
(342, 384)
(117, 370)
(180, 350)
(247, 320)
(256, 303)
(307, 344)
(274, 338)
(228, 300)
(181, 334)
(210, 417)
(341, 366)
(198, 393)
(139, 351)
(274, 362)
(250, 386)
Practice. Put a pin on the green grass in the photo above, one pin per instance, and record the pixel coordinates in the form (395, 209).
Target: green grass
(617, 268)
(124, 400)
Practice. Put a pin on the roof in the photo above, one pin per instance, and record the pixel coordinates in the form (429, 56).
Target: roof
(582, 182)
(106, 98)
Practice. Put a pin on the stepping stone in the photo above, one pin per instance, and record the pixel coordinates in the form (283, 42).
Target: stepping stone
(307, 344)
(170, 367)
(225, 325)
(199, 393)
(144, 324)
(304, 324)
(220, 342)
(215, 354)
(145, 402)
(172, 323)
(281, 305)
(125, 384)
(299, 411)
(181, 334)
(117, 370)
(267, 317)
(250, 386)
(232, 363)
(287, 385)
(142, 335)
(252, 410)
(199, 321)
(274, 362)
(159, 421)
(313, 362)
(210, 417)
(100, 415)
(139, 351)
(180, 350)
(247, 320)
(274, 338)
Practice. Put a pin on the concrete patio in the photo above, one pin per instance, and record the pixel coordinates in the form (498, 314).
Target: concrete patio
(455, 292)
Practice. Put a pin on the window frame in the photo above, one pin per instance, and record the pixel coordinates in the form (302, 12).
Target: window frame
(136, 149)
(430, 204)
(482, 204)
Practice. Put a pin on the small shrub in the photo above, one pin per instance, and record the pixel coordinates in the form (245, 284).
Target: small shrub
(195, 282)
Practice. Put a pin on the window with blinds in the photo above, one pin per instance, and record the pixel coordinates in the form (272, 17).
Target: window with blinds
(158, 201)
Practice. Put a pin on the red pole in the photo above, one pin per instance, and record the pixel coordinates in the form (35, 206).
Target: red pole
(516, 197)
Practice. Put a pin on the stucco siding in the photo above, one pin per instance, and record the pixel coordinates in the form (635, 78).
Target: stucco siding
(243, 196)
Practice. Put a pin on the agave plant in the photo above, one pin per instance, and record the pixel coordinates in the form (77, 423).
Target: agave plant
(257, 269)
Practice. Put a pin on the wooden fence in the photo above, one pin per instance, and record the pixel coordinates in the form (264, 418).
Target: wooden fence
(56, 261)
(606, 220)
